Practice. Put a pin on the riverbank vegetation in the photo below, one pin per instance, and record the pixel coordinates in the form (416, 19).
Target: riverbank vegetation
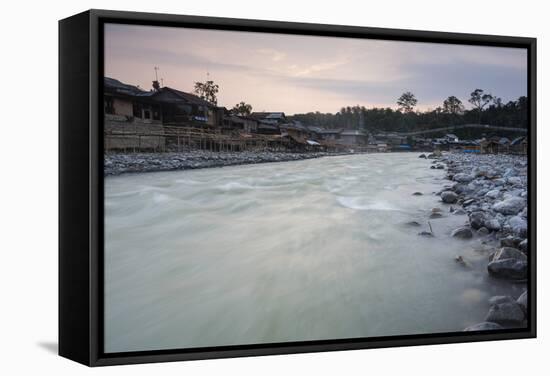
(486, 109)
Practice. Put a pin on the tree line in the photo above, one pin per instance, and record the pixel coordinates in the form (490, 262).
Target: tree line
(485, 109)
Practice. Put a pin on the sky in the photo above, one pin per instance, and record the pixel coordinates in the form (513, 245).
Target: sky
(298, 74)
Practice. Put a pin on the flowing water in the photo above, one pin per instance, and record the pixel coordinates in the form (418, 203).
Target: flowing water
(292, 251)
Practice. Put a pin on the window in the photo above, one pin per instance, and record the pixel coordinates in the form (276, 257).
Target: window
(156, 112)
(137, 107)
(109, 108)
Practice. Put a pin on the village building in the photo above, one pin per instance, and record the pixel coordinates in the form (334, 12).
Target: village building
(181, 108)
(331, 135)
(353, 137)
(240, 123)
(130, 110)
(519, 145)
(273, 118)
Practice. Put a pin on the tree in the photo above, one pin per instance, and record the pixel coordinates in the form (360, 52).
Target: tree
(479, 100)
(406, 102)
(207, 91)
(453, 106)
(242, 108)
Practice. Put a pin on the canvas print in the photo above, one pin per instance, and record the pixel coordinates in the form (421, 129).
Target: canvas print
(268, 188)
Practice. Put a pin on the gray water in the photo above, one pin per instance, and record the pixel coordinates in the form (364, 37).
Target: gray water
(292, 251)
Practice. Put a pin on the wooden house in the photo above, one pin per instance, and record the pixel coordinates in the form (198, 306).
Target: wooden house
(132, 119)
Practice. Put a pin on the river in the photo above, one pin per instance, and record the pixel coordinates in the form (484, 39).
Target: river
(292, 251)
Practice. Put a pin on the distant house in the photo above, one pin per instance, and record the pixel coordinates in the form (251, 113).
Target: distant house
(382, 147)
(245, 124)
(353, 137)
(265, 127)
(121, 99)
(331, 135)
(315, 132)
(132, 119)
(273, 118)
(519, 145)
(449, 137)
(181, 108)
(295, 129)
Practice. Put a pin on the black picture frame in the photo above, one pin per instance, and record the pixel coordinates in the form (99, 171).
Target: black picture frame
(81, 186)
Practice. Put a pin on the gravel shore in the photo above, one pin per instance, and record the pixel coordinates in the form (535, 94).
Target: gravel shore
(492, 191)
(115, 164)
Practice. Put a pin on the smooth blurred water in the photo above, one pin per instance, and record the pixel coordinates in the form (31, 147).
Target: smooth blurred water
(291, 251)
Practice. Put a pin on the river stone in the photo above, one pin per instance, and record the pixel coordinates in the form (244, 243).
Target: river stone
(413, 223)
(463, 178)
(493, 193)
(522, 300)
(518, 225)
(422, 156)
(510, 206)
(505, 313)
(462, 233)
(425, 233)
(483, 326)
(523, 245)
(492, 224)
(477, 219)
(417, 194)
(514, 180)
(499, 299)
(510, 241)
(524, 212)
(509, 252)
(508, 269)
(449, 197)
(483, 231)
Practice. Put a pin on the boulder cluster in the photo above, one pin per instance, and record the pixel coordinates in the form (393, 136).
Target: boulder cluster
(118, 163)
(492, 191)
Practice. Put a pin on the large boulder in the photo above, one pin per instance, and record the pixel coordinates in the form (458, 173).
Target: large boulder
(510, 241)
(518, 225)
(463, 178)
(509, 253)
(483, 326)
(499, 299)
(449, 197)
(523, 245)
(462, 233)
(505, 313)
(510, 206)
(508, 268)
(522, 300)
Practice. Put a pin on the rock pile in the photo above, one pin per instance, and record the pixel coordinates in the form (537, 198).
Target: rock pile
(115, 164)
(492, 190)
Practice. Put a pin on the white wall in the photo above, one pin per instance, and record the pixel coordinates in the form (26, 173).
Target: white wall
(29, 187)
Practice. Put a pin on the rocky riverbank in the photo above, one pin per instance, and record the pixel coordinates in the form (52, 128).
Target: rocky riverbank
(115, 164)
(492, 191)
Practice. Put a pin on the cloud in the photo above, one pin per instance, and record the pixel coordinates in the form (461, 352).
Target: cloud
(274, 55)
(306, 73)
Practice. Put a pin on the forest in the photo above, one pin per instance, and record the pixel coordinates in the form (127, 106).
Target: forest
(485, 109)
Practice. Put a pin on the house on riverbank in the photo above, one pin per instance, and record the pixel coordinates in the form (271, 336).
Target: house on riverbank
(132, 119)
